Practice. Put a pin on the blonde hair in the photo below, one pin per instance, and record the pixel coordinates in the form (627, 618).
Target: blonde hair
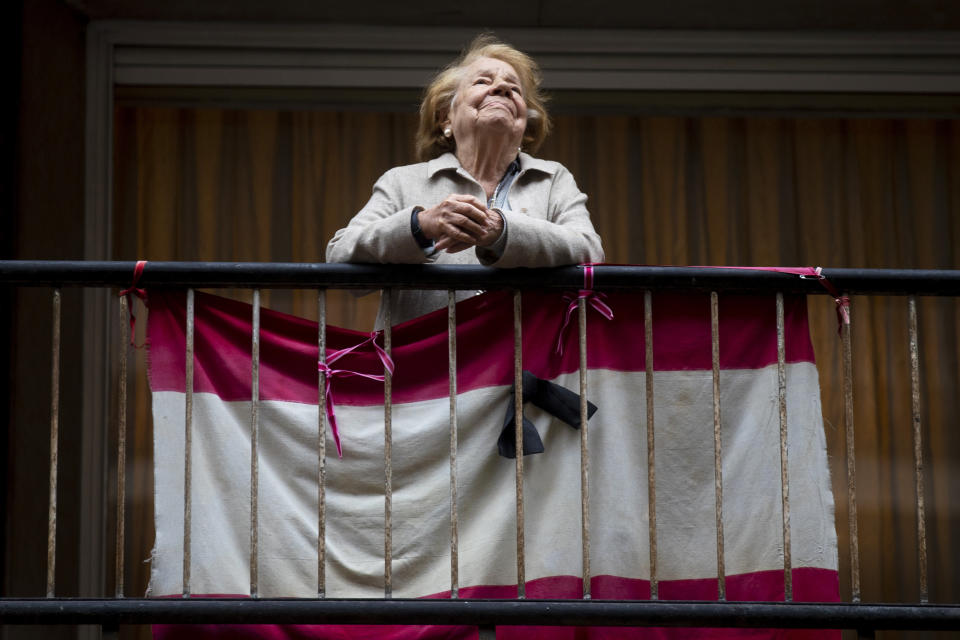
(438, 97)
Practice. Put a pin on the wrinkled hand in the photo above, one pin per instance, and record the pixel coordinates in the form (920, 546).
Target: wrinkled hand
(460, 222)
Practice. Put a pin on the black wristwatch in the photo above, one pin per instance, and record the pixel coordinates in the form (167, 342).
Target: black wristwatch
(422, 241)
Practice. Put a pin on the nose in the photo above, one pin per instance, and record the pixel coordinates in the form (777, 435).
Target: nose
(500, 88)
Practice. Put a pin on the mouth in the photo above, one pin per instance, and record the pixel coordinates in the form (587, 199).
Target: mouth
(497, 104)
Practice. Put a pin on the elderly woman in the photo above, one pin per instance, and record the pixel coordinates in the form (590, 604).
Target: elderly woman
(478, 198)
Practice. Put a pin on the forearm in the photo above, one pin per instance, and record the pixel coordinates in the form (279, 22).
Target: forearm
(533, 242)
(376, 239)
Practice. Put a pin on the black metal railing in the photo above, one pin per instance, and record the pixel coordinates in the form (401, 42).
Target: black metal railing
(484, 613)
(362, 276)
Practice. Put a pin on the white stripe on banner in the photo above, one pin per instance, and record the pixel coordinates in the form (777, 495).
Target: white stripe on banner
(618, 488)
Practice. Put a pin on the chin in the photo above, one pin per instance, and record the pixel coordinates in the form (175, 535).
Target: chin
(497, 122)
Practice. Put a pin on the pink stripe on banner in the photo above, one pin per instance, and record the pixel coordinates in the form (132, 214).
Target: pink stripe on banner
(810, 585)
(288, 345)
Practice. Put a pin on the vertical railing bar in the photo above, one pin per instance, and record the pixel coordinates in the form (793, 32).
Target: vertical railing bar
(188, 443)
(847, 364)
(784, 462)
(584, 451)
(254, 442)
(321, 444)
(717, 442)
(518, 429)
(918, 447)
(121, 445)
(452, 372)
(387, 450)
(651, 466)
(54, 440)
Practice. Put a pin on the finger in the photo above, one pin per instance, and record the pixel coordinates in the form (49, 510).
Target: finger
(461, 227)
(473, 200)
(452, 246)
(446, 241)
(465, 232)
(469, 207)
(452, 233)
(457, 248)
(493, 221)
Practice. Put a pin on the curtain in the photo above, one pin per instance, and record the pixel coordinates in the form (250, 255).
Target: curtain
(260, 185)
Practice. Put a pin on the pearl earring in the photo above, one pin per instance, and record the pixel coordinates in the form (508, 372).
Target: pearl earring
(447, 132)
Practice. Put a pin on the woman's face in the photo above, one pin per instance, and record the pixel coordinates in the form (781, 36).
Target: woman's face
(489, 101)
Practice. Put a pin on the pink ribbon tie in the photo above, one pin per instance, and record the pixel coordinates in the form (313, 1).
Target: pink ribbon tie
(140, 293)
(842, 301)
(330, 374)
(594, 298)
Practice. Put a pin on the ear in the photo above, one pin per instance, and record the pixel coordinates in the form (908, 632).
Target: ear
(445, 124)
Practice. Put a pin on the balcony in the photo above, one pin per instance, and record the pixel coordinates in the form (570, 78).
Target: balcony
(907, 291)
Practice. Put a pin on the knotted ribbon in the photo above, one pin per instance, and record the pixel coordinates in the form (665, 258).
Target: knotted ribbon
(815, 273)
(553, 398)
(842, 301)
(330, 373)
(594, 298)
(140, 293)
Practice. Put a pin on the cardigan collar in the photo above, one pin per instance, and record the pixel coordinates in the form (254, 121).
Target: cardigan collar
(448, 162)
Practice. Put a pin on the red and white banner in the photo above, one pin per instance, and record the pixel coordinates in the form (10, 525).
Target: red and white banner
(619, 539)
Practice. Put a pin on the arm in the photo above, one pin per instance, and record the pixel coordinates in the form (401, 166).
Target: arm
(564, 235)
(380, 233)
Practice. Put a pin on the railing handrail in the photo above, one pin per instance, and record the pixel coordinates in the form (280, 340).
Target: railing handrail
(280, 275)
(612, 613)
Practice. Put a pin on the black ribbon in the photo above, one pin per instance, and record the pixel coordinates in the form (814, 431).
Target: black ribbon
(556, 400)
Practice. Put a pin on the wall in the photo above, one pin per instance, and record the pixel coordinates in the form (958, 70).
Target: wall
(46, 222)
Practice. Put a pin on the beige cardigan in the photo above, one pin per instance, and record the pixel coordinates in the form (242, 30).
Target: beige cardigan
(547, 224)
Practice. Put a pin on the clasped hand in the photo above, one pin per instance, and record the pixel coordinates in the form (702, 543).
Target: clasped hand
(460, 222)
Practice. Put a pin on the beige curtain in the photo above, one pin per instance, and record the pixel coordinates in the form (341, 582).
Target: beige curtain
(214, 184)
